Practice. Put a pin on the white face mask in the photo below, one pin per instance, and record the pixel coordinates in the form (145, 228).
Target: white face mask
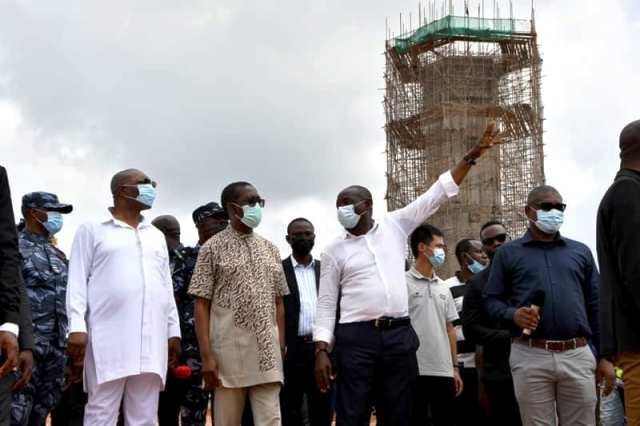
(348, 217)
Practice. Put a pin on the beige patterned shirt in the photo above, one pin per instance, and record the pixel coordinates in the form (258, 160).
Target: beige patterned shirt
(242, 276)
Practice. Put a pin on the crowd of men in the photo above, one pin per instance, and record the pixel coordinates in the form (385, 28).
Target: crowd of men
(136, 328)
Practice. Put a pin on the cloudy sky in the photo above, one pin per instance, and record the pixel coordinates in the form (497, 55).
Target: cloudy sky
(285, 94)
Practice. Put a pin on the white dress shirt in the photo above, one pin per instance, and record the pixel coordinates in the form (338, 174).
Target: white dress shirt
(306, 279)
(120, 292)
(369, 269)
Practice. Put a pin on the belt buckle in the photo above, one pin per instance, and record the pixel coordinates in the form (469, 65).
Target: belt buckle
(548, 348)
(382, 323)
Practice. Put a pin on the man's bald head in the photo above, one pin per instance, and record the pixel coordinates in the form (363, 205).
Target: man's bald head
(630, 145)
(125, 177)
(170, 227)
(356, 193)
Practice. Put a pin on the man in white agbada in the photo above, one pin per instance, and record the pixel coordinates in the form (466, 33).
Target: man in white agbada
(123, 321)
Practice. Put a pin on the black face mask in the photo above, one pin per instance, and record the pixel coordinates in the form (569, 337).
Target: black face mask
(302, 246)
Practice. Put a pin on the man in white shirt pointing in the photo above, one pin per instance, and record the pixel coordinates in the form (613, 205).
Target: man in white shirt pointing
(375, 343)
(123, 321)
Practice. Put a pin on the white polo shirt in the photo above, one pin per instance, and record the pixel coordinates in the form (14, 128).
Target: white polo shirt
(430, 307)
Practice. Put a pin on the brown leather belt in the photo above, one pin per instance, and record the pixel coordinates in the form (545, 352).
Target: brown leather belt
(552, 345)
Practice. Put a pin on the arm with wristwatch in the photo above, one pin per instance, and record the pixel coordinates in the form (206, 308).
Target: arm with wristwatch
(324, 371)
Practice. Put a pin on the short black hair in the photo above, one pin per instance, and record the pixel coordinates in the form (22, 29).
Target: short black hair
(230, 193)
(360, 190)
(538, 191)
(423, 234)
(463, 246)
(296, 220)
(492, 222)
(121, 178)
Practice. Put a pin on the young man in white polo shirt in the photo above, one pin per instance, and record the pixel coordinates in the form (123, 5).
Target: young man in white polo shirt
(432, 312)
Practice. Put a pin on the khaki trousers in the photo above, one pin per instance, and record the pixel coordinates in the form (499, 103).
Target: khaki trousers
(228, 405)
(630, 364)
(554, 387)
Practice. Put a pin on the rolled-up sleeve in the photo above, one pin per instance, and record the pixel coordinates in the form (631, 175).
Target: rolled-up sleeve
(416, 213)
(327, 300)
(80, 263)
(495, 293)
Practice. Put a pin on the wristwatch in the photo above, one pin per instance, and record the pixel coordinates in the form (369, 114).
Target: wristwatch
(470, 160)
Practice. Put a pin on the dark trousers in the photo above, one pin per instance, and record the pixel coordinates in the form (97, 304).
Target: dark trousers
(5, 398)
(434, 401)
(70, 409)
(375, 367)
(299, 380)
(503, 402)
(184, 400)
(467, 409)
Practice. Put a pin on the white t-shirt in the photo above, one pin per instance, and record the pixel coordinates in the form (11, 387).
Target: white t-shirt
(431, 306)
(457, 288)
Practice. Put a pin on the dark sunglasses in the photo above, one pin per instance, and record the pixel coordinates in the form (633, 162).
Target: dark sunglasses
(143, 182)
(501, 238)
(552, 206)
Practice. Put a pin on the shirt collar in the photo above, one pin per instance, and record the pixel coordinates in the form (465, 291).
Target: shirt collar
(417, 275)
(36, 238)
(528, 240)
(348, 235)
(144, 223)
(295, 263)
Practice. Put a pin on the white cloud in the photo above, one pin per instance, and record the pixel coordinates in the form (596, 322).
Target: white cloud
(285, 95)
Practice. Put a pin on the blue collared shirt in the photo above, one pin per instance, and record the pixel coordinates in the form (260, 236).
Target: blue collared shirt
(564, 269)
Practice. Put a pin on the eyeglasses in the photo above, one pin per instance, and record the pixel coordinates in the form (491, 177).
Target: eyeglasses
(501, 238)
(146, 181)
(552, 206)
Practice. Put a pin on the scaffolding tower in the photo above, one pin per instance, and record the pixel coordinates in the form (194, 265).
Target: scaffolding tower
(444, 82)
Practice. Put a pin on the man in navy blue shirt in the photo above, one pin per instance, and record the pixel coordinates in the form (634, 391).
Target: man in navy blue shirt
(554, 367)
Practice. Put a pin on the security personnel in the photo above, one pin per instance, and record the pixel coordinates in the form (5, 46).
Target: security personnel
(184, 397)
(44, 269)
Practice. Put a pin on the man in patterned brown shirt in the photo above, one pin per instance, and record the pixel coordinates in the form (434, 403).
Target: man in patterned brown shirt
(238, 283)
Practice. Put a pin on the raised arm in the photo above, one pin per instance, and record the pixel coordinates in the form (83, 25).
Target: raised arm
(414, 214)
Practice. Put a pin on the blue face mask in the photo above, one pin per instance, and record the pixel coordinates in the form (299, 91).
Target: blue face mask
(53, 224)
(476, 267)
(348, 217)
(549, 222)
(146, 194)
(251, 216)
(438, 258)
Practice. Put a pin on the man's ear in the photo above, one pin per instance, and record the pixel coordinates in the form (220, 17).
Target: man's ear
(530, 212)
(288, 239)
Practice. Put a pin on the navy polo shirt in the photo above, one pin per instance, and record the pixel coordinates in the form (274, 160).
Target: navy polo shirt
(564, 269)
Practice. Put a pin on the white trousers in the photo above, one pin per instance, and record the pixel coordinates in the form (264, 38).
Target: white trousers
(138, 394)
